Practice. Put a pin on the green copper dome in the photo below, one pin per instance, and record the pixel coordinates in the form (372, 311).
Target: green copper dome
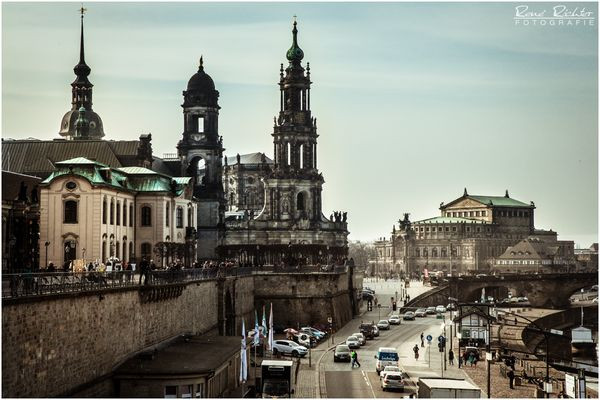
(295, 53)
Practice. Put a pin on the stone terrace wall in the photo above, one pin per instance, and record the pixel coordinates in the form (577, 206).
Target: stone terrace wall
(58, 345)
(304, 298)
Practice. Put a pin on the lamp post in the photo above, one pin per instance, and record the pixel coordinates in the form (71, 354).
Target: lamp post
(47, 244)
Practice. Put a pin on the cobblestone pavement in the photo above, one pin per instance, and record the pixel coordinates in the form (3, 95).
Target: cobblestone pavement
(499, 385)
(307, 381)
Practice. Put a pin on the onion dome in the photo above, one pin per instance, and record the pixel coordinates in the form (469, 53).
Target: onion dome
(295, 53)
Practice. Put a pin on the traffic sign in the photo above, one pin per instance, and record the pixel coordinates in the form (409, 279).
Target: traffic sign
(429, 338)
(441, 338)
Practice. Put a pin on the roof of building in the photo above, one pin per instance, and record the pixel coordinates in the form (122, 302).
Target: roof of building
(530, 249)
(494, 201)
(250, 158)
(38, 157)
(189, 356)
(11, 184)
(451, 220)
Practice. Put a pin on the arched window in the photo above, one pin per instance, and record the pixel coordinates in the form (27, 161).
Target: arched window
(146, 251)
(146, 216)
(434, 252)
(104, 211)
(418, 252)
(168, 211)
(112, 212)
(444, 252)
(118, 213)
(300, 206)
(179, 217)
(124, 212)
(190, 217)
(70, 212)
(131, 215)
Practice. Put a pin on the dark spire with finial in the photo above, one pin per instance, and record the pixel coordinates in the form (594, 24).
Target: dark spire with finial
(465, 193)
(81, 98)
(295, 53)
(506, 194)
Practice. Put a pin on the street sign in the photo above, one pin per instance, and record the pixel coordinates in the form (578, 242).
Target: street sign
(429, 338)
(570, 385)
(556, 331)
(329, 319)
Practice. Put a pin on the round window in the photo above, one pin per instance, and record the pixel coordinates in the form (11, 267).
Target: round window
(71, 185)
(92, 125)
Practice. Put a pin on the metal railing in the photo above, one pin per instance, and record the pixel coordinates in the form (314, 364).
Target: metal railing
(42, 284)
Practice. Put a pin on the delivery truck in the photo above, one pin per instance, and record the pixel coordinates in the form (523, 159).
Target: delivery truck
(278, 379)
(447, 388)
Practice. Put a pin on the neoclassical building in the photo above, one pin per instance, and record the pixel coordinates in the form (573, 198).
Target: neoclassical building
(94, 212)
(470, 233)
(290, 227)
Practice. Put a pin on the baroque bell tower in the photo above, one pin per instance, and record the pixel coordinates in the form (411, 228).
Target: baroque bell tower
(294, 187)
(201, 153)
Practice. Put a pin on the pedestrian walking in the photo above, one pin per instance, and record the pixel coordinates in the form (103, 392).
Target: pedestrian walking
(451, 357)
(465, 358)
(144, 267)
(511, 378)
(422, 340)
(355, 359)
(416, 350)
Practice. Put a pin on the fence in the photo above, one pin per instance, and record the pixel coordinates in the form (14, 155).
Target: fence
(41, 284)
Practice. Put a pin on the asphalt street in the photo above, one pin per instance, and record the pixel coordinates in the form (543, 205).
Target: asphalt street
(342, 380)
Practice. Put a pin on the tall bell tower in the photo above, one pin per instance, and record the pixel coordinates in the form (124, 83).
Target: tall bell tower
(201, 153)
(294, 188)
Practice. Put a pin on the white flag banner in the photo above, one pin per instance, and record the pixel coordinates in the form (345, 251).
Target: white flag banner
(243, 357)
(256, 330)
(264, 323)
(271, 329)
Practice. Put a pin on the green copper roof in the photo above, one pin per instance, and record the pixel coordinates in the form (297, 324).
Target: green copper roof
(450, 220)
(79, 160)
(137, 171)
(500, 201)
(295, 53)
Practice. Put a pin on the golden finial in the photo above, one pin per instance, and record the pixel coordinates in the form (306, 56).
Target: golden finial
(82, 10)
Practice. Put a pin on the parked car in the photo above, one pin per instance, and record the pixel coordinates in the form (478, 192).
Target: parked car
(361, 338)
(341, 353)
(392, 380)
(353, 342)
(409, 316)
(289, 347)
(421, 312)
(367, 295)
(389, 368)
(305, 339)
(430, 310)
(394, 319)
(320, 335)
(383, 324)
(440, 309)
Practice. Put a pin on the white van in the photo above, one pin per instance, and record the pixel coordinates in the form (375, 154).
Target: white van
(386, 356)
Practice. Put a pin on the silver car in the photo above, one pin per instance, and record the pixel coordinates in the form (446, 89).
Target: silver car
(392, 380)
(383, 324)
(353, 342)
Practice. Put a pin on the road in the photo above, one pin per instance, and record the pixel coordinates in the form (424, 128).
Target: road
(341, 380)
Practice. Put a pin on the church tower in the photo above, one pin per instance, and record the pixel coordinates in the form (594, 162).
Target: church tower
(201, 153)
(294, 186)
(81, 97)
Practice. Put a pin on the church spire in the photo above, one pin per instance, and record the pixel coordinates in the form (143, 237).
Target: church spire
(82, 70)
(295, 53)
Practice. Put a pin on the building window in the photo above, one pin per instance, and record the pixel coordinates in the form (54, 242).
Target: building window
(179, 217)
(187, 391)
(131, 215)
(190, 217)
(124, 212)
(170, 392)
(484, 213)
(526, 214)
(300, 202)
(146, 216)
(112, 212)
(131, 253)
(118, 213)
(453, 229)
(427, 229)
(434, 252)
(439, 228)
(104, 211)
(418, 252)
(70, 212)
(167, 215)
(468, 229)
(478, 229)
(447, 229)
(200, 390)
(444, 252)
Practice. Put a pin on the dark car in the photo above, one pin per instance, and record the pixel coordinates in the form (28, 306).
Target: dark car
(341, 353)
(409, 316)
(367, 295)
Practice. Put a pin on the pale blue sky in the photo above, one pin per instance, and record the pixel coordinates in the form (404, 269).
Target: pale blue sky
(414, 101)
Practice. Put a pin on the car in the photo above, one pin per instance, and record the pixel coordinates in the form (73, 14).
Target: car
(375, 331)
(394, 319)
(389, 368)
(473, 350)
(386, 356)
(440, 309)
(367, 296)
(353, 342)
(361, 338)
(421, 312)
(430, 310)
(289, 347)
(313, 331)
(451, 307)
(409, 316)
(392, 380)
(341, 353)
(383, 324)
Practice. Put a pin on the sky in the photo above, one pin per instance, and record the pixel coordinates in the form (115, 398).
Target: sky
(414, 102)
